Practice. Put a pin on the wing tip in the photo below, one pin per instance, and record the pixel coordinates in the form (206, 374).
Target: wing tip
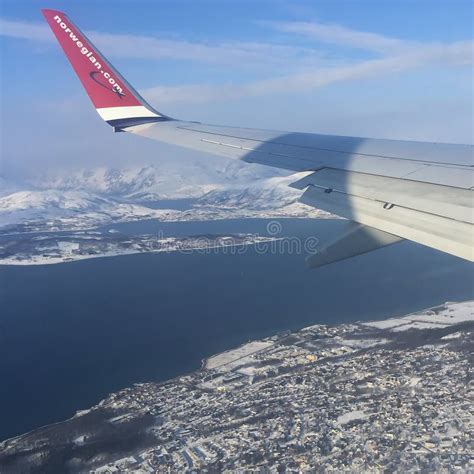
(49, 11)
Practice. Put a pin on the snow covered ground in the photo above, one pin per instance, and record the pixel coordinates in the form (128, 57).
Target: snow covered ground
(73, 209)
(162, 180)
(54, 249)
(354, 415)
(83, 200)
(91, 198)
(440, 316)
(229, 357)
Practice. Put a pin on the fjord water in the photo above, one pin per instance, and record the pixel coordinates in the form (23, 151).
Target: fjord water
(72, 333)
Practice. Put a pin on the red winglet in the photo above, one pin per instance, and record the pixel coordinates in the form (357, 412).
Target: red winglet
(102, 82)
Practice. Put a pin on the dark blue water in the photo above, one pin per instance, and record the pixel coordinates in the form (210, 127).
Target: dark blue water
(72, 333)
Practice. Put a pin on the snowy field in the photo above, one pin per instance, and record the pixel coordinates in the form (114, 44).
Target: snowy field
(227, 358)
(83, 247)
(97, 197)
(440, 316)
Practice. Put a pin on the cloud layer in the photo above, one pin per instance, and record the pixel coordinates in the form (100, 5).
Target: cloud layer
(455, 54)
(395, 56)
(155, 48)
(311, 66)
(417, 90)
(343, 36)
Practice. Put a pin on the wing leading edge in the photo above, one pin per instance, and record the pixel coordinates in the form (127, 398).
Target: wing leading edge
(392, 190)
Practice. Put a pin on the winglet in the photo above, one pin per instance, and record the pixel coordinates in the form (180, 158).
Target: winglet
(116, 101)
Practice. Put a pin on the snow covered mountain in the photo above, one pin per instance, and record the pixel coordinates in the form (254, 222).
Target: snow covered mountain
(87, 198)
(56, 208)
(155, 182)
(263, 194)
(6, 187)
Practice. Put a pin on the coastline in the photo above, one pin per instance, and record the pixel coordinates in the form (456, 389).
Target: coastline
(458, 315)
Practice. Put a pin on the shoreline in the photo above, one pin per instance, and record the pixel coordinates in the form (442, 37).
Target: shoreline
(120, 253)
(411, 321)
(196, 214)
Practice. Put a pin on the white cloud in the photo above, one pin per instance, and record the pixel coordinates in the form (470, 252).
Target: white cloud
(340, 35)
(304, 69)
(445, 55)
(25, 30)
(145, 47)
(310, 67)
(238, 54)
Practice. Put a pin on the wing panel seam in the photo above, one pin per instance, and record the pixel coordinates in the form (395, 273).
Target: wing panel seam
(431, 163)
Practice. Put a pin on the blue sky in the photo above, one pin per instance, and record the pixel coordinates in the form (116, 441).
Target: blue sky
(358, 67)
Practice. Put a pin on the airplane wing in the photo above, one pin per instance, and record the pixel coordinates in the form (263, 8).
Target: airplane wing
(389, 190)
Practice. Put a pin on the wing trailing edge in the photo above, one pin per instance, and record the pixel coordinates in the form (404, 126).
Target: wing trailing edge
(355, 239)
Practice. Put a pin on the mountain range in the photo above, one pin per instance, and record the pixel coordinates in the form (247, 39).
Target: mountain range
(156, 182)
(95, 196)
